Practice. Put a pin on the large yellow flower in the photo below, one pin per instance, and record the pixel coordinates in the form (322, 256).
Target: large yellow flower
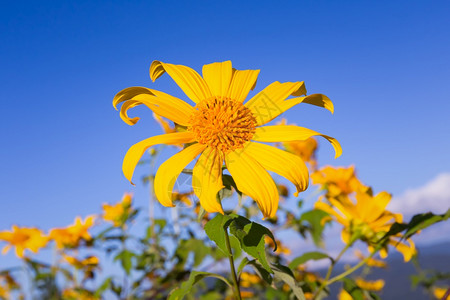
(23, 238)
(221, 127)
(368, 218)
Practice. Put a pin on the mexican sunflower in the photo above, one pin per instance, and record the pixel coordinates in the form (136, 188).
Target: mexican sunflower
(222, 129)
(367, 218)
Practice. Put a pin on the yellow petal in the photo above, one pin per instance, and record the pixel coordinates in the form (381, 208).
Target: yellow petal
(136, 151)
(329, 210)
(288, 165)
(287, 133)
(271, 101)
(169, 170)
(207, 179)
(242, 83)
(160, 103)
(192, 84)
(407, 250)
(254, 181)
(218, 77)
(6, 249)
(266, 105)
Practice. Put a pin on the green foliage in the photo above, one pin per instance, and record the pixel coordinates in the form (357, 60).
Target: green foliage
(315, 225)
(250, 235)
(417, 223)
(194, 277)
(308, 256)
(285, 274)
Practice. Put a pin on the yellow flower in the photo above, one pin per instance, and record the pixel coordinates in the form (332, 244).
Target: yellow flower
(343, 295)
(373, 285)
(249, 279)
(368, 218)
(371, 262)
(306, 149)
(119, 212)
(221, 127)
(72, 235)
(182, 197)
(78, 294)
(337, 181)
(23, 238)
(88, 262)
(281, 249)
(439, 293)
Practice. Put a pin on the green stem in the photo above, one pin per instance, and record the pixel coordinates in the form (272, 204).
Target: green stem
(237, 292)
(353, 269)
(330, 270)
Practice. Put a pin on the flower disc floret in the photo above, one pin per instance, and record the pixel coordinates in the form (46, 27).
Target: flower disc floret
(222, 123)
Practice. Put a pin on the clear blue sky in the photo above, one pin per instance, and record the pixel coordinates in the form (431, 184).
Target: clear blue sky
(385, 64)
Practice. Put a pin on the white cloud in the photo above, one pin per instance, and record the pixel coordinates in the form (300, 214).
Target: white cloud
(434, 196)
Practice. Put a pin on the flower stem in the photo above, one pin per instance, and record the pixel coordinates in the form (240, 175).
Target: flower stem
(330, 270)
(353, 269)
(237, 291)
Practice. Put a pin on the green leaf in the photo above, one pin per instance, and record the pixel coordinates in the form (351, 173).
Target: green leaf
(314, 218)
(417, 223)
(229, 183)
(261, 272)
(351, 288)
(307, 256)
(251, 236)
(125, 258)
(242, 265)
(194, 277)
(215, 231)
(105, 285)
(284, 274)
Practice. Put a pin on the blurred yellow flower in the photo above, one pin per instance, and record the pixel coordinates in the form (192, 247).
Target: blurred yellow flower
(165, 125)
(372, 285)
(343, 295)
(7, 285)
(23, 238)
(76, 294)
(90, 261)
(249, 279)
(281, 249)
(220, 128)
(306, 149)
(439, 293)
(368, 218)
(119, 212)
(371, 262)
(72, 235)
(182, 197)
(337, 181)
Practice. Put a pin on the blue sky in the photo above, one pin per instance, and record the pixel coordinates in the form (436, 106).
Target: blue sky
(385, 65)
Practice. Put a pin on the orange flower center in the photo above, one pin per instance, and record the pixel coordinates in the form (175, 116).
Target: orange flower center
(222, 123)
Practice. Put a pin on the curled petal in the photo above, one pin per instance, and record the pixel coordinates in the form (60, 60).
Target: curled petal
(136, 151)
(287, 133)
(254, 181)
(192, 84)
(207, 179)
(160, 103)
(288, 165)
(169, 171)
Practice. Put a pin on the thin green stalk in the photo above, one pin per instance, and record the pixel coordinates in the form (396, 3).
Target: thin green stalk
(353, 269)
(237, 291)
(330, 270)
